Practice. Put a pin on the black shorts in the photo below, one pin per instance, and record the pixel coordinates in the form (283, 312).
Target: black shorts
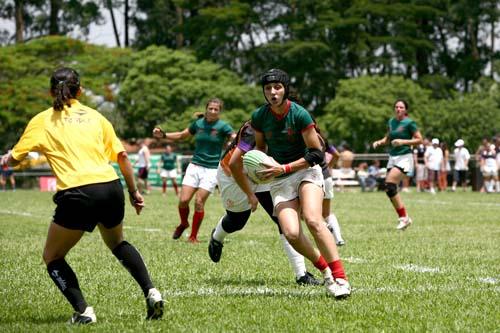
(81, 208)
(143, 173)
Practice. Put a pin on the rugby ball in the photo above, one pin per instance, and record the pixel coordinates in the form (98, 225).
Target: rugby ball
(252, 162)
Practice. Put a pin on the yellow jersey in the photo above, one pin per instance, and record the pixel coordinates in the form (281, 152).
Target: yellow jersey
(78, 143)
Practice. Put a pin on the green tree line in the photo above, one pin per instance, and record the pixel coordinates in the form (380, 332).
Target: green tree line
(138, 89)
(442, 45)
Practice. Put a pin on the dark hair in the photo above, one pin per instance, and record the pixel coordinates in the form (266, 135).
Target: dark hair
(407, 106)
(64, 85)
(276, 75)
(217, 101)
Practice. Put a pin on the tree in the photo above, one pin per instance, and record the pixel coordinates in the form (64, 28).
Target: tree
(25, 70)
(167, 87)
(363, 106)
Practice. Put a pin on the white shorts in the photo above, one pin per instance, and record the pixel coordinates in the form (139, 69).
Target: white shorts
(168, 173)
(200, 177)
(489, 171)
(287, 188)
(402, 162)
(328, 188)
(233, 197)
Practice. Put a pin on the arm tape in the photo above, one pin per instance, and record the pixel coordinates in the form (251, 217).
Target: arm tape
(314, 156)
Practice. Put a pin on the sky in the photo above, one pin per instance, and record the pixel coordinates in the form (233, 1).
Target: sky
(98, 34)
(104, 35)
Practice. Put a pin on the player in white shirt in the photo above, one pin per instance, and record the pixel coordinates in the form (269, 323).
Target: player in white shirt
(433, 159)
(462, 157)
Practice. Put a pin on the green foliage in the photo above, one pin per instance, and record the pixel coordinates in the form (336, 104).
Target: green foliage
(363, 106)
(25, 71)
(165, 87)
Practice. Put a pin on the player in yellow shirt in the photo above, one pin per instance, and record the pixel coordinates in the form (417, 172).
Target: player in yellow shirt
(78, 143)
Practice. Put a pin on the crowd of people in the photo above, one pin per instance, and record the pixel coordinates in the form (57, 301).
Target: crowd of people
(79, 143)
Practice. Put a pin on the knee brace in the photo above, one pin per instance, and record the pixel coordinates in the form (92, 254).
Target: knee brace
(391, 189)
(234, 221)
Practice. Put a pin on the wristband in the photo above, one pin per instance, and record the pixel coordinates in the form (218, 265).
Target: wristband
(132, 192)
(287, 168)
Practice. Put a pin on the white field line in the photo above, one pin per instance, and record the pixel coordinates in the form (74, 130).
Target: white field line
(490, 280)
(418, 269)
(13, 212)
(308, 291)
(473, 203)
(141, 229)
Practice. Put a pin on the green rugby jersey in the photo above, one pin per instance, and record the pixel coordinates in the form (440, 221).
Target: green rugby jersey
(283, 133)
(404, 129)
(168, 160)
(209, 140)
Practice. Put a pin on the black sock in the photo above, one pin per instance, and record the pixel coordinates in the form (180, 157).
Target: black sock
(65, 279)
(131, 259)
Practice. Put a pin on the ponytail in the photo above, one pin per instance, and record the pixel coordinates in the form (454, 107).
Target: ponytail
(64, 86)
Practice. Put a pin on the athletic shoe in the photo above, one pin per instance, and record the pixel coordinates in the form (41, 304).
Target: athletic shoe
(308, 280)
(179, 230)
(214, 248)
(87, 317)
(154, 304)
(339, 288)
(341, 243)
(404, 222)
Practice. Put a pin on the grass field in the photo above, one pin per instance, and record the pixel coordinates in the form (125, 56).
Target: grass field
(441, 275)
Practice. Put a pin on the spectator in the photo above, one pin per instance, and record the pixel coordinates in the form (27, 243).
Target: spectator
(7, 173)
(489, 168)
(362, 175)
(433, 159)
(462, 157)
(445, 167)
(373, 178)
(144, 163)
(485, 143)
(421, 174)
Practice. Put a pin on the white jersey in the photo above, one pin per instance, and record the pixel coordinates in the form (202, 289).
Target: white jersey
(434, 158)
(141, 162)
(461, 157)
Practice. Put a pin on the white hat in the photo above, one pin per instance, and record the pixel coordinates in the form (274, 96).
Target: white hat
(435, 141)
(459, 143)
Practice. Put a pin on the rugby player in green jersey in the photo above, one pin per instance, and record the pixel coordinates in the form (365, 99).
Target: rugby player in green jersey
(402, 133)
(210, 133)
(287, 132)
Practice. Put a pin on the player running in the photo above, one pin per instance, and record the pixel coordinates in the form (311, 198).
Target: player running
(240, 197)
(79, 143)
(287, 131)
(402, 133)
(210, 133)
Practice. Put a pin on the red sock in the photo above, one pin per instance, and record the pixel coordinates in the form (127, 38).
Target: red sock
(184, 214)
(321, 263)
(164, 186)
(197, 219)
(175, 188)
(401, 211)
(337, 269)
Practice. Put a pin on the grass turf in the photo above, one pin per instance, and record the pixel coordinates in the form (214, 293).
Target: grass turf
(442, 274)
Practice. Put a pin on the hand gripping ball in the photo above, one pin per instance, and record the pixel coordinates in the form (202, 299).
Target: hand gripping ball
(252, 162)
